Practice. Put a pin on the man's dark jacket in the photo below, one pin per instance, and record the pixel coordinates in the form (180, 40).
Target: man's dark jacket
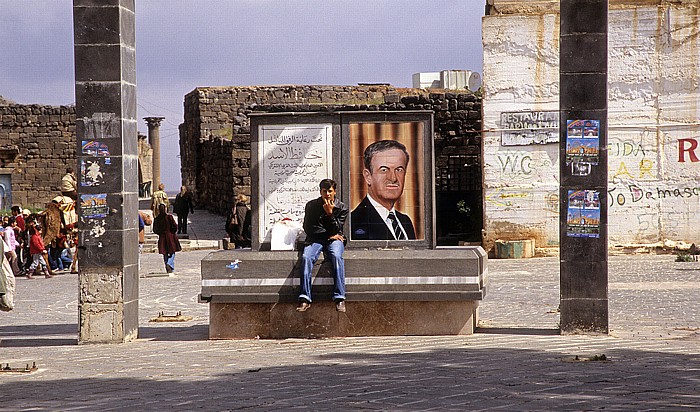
(318, 226)
(366, 224)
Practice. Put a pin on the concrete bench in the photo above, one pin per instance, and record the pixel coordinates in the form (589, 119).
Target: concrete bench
(389, 292)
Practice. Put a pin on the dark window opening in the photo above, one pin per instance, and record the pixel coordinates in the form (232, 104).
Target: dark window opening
(459, 201)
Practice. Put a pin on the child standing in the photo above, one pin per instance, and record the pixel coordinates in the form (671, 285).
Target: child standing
(36, 249)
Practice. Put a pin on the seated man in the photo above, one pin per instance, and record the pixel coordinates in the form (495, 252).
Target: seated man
(324, 219)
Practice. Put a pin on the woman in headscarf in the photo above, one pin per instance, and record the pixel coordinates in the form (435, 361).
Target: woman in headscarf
(165, 227)
(238, 222)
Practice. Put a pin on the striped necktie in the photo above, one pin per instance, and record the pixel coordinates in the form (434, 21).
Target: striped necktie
(398, 233)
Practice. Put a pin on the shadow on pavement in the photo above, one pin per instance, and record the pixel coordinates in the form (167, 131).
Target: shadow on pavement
(454, 379)
(517, 331)
(174, 333)
(23, 336)
(36, 342)
(26, 336)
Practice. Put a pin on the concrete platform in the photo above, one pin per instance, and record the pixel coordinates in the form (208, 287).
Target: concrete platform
(281, 320)
(389, 292)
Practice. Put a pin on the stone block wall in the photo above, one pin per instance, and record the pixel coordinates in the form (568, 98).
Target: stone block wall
(37, 143)
(215, 138)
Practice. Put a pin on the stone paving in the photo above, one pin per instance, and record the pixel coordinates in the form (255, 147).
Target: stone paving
(516, 360)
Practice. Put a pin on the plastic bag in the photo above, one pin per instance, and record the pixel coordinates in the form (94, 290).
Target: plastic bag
(284, 234)
(7, 283)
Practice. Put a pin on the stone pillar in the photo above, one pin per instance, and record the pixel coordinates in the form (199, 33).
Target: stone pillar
(583, 166)
(106, 129)
(154, 139)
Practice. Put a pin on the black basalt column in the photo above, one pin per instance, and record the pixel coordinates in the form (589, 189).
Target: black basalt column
(106, 129)
(584, 166)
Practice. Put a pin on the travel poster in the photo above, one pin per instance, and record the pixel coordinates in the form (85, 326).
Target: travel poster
(583, 214)
(94, 206)
(582, 141)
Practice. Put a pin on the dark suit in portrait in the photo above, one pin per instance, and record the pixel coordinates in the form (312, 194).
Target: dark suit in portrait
(367, 224)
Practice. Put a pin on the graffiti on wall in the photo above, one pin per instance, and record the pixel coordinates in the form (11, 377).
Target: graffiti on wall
(629, 159)
(621, 196)
(514, 163)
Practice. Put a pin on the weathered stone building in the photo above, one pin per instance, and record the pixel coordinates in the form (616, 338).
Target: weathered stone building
(653, 129)
(215, 141)
(37, 144)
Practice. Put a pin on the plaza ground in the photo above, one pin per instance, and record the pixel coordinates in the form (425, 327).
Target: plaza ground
(516, 361)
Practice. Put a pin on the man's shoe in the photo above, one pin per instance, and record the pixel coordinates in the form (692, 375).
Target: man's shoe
(340, 306)
(303, 306)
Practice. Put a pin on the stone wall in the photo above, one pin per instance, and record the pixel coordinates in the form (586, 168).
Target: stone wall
(37, 143)
(215, 138)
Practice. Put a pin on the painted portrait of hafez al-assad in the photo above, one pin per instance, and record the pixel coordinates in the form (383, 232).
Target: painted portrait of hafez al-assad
(386, 181)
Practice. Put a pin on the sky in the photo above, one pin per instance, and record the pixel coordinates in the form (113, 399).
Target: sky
(184, 44)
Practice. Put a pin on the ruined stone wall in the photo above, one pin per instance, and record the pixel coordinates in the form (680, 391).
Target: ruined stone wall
(37, 143)
(653, 128)
(502, 7)
(215, 138)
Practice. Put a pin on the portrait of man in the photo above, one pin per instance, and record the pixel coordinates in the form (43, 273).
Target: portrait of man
(376, 218)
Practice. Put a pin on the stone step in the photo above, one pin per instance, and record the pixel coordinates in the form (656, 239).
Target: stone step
(151, 245)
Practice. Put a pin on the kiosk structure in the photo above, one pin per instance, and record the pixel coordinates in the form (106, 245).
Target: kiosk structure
(397, 281)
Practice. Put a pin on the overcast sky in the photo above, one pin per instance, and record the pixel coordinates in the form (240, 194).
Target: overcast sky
(183, 44)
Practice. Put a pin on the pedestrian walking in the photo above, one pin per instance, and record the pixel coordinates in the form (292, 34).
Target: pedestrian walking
(182, 207)
(37, 250)
(159, 197)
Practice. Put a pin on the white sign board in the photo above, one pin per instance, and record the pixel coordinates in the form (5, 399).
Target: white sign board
(526, 128)
(292, 160)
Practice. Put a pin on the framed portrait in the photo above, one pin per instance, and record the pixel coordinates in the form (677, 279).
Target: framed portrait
(388, 177)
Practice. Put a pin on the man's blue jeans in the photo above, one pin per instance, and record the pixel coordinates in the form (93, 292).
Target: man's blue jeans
(334, 251)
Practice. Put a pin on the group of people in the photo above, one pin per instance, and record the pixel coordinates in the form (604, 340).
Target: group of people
(39, 243)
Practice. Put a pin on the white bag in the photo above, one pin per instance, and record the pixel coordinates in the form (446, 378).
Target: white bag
(7, 278)
(284, 234)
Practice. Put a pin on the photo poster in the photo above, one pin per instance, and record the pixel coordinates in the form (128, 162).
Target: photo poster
(94, 206)
(95, 148)
(583, 214)
(409, 205)
(292, 160)
(582, 145)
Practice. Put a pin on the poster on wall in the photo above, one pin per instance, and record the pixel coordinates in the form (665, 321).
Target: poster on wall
(582, 145)
(387, 186)
(94, 206)
(95, 148)
(91, 171)
(292, 160)
(583, 214)
(529, 128)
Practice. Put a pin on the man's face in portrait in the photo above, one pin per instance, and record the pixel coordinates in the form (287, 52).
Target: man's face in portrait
(386, 178)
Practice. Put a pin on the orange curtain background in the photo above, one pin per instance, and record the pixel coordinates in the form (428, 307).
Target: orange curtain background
(410, 134)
